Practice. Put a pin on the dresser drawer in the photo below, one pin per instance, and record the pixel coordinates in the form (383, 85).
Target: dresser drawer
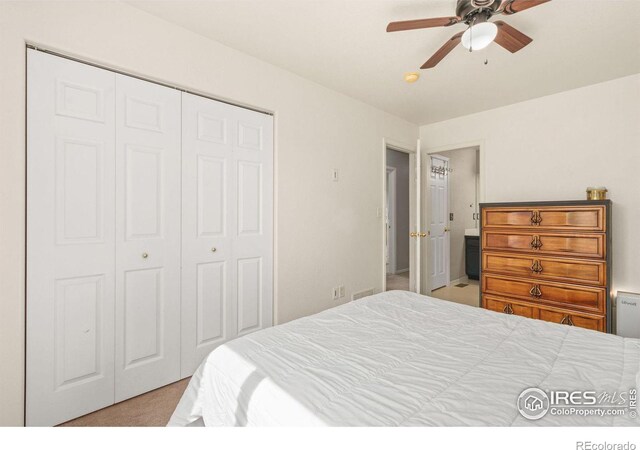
(576, 245)
(577, 218)
(572, 319)
(590, 299)
(507, 307)
(565, 270)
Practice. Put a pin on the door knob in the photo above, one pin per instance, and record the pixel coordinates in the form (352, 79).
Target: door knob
(423, 234)
(145, 255)
(213, 249)
(446, 229)
(413, 234)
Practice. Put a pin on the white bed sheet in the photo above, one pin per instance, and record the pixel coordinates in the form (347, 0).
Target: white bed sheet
(403, 359)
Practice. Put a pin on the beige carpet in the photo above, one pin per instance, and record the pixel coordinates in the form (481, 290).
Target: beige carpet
(399, 282)
(152, 409)
(468, 295)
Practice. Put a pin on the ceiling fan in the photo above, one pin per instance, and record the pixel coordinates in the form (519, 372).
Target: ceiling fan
(480, 32)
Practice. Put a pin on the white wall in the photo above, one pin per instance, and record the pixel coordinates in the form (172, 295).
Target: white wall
(327, 233)
(552, 148)
(400, 161)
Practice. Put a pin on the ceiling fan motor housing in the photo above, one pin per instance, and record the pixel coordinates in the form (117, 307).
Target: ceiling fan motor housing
(466, 9)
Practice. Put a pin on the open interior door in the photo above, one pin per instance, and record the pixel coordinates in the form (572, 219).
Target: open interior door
(415, 214)
(438, 222)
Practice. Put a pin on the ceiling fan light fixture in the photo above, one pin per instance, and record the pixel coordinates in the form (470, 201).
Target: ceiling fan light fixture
(479, 36)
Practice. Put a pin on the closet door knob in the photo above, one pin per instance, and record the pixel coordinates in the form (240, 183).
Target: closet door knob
(213, 249)
(145, 255)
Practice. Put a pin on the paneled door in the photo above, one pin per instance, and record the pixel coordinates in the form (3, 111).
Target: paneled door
(227, 225)
(70, 239)
(438, 201)
(147, 238)
(415, 218)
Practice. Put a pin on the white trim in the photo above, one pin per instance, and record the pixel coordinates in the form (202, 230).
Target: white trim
(464, 279)
(111, 68)
(392, 215)
(412, 150)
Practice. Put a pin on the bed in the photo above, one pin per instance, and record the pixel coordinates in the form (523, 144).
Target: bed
(403, 359)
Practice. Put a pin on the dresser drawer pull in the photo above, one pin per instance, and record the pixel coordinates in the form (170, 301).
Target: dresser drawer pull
(536, 267)
(566, 320)
(536, 243)
(507, 309)
(535, 291)
(536, 219)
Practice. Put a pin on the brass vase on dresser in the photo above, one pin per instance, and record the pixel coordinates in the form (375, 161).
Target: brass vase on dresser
(548, 260)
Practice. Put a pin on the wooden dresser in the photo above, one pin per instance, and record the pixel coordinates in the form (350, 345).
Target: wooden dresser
(548, 260)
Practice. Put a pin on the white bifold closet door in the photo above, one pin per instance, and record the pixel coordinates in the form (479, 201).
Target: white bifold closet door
(147, 291)
(149, 234)
(70, 239)
(227, 225)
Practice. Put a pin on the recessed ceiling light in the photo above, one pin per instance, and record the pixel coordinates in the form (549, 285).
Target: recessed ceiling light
(411, 77)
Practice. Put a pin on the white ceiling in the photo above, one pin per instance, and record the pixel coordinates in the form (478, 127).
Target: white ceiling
(343, 45)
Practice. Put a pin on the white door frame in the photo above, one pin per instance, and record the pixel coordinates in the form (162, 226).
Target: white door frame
(426, 152)
(391, 216)
(411, 150)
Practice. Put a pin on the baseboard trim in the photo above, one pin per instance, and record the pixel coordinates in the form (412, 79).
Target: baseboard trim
(402, 271)
(464, 279)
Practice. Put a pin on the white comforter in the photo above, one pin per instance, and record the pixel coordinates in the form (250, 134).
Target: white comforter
(400, 358)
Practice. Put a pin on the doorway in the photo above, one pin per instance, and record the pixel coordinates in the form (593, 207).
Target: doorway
(452, 195)
(397, 218)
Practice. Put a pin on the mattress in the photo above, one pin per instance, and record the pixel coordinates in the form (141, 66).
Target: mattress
(403, 359)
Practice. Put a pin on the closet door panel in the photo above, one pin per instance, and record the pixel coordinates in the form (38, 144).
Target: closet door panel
(70, 239)
(227, 252)
(208, 218)
(147, 236)
(253, 244)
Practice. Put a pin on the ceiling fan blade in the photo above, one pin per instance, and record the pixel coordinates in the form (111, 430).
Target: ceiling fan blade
(442, 52)
(516, 6)
(510, 38)
(422, 23)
